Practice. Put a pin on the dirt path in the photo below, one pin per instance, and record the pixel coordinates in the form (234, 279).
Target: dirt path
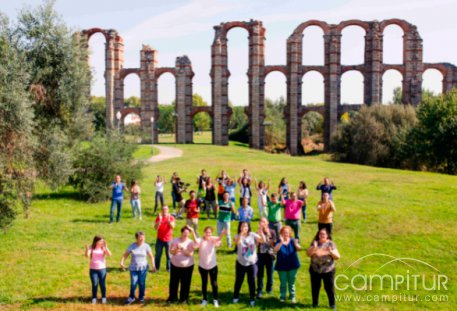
(165, 153)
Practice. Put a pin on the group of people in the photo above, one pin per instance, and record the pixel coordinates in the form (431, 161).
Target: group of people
(273, 247)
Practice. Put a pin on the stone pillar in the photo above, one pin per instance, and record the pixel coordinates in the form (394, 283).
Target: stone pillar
(256, 85)
(219, 87)
(117, 62)
(294, 85)
(373, 65)
(412, 81)
(332, 79)
(184, 76)
(109, 81)
(148, 63)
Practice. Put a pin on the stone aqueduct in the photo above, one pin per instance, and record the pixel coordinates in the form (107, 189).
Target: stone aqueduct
(372, 70)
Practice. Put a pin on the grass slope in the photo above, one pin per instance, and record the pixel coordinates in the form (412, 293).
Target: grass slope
(399, 213)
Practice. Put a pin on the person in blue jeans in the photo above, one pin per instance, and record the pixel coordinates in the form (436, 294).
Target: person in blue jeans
(138, 267)
(117, 197)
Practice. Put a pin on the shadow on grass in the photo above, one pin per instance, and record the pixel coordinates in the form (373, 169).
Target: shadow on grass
(91, 221)
(65, 194)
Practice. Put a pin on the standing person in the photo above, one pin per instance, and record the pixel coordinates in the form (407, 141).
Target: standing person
(172, 182)
(97, 271)
(326, 208)
(302, 195)
(221, 180)
(225, 209)
(287, 263)
(274, 209)
(245, 174)
(262, 192)
(210, 197)
(326, 186)
(245, 212)
(245, 190)
(135, 199)
(201, 181)
(138, 267)
(292, 211)
(117, 196)
(193, 210)
(323, 253)
(207, 264)
(178, 196)
(160, 182)
(164, 225)
(182, 265)
(230, 187)
(284, 188)
(246, 242)
(266, 258)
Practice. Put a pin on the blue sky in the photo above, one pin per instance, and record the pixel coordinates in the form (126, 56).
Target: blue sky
(178, 27)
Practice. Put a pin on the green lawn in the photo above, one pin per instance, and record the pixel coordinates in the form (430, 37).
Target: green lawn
(199, 138)
(399, 213)
(144, 152)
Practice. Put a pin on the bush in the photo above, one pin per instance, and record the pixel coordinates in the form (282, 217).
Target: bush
(7, 213)
(98, 162)
(435, 136)
(376, 135)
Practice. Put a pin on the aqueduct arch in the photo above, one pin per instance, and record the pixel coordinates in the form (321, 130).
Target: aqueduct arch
(332, 70)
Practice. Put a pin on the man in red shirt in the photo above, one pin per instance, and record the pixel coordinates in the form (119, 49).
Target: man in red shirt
(164, 225)
(193, 209)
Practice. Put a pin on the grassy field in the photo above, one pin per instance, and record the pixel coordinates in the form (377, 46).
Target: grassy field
(379, 211)
(144, 152)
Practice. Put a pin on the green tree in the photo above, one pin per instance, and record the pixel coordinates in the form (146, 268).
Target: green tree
(60, 76)
(133, 102)
(98, 109)
(167, 119)
(17, 141)
(435, 136)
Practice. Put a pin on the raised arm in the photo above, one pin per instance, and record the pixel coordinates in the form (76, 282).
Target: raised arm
(261, 238)
(332, 206)
(106, 250)
(312, 249)
(297, 246)
(268, 184)
(88, 251)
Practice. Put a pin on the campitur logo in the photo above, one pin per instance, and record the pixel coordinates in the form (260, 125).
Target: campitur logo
(395, 280)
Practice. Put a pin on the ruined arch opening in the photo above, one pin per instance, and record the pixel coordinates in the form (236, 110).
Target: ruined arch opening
(202, 124)
(392, 87)
(96, 58)
(352, 88)
(238, 66)
(313, 89)
(392, 45)
(312, 132)
(432, 80)
(353, 45)
(275, 105)
(131, 90)
(166, 99)
(313, 46)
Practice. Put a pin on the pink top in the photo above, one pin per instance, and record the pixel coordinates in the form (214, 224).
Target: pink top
(292, 210)
(97, 260)
(179, 259)
(207, 252)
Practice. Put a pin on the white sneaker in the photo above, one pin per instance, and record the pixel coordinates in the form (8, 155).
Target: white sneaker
(103, 300)
(252, 303)
(130, 301)
(204, 303)
(216, 304)
(94, 301)
(294, 300)
(235, 300)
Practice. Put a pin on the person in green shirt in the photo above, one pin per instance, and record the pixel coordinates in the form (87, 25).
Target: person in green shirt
(274, 213)
(225, 209)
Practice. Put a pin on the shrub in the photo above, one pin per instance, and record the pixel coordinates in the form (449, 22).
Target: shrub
(98, 162)
(376, 135)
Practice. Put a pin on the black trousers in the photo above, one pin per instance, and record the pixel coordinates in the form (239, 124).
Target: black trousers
(316, 279)
(213, 278)
(241, 270)
(265, 262)
(327, 226)
(183, 276)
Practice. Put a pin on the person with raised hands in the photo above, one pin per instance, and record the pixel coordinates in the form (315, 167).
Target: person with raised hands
(164, 224)
(207, 264)
(97, 271)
